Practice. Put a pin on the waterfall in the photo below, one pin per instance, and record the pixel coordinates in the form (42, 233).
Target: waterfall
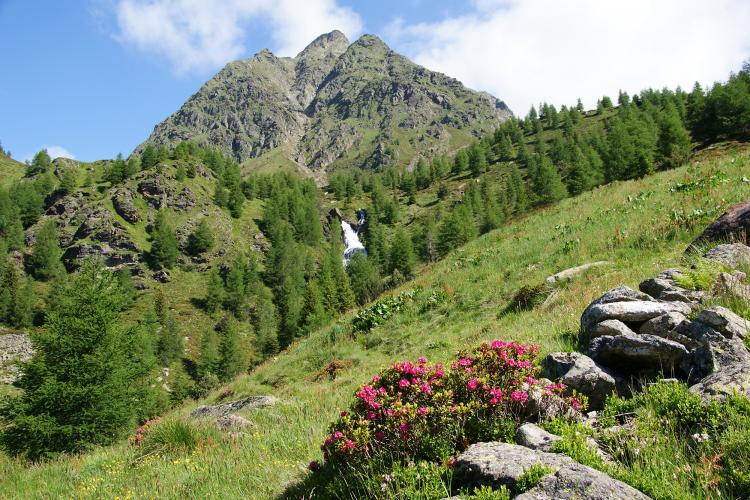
(351, 237)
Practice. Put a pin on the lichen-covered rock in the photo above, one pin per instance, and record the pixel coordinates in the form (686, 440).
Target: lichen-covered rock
(663, 325)
(122, 201)
(248, 403)
(577, 482)
(611, 327)
(569, 274)
(233, 422)
(502, 464)
(730, 254)
(579, 372)
(534, 437)
(632, 311)
(727, 381)
(724, 321)
(630, 353)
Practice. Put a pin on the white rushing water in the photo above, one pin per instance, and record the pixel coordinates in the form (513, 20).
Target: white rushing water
(351, 238)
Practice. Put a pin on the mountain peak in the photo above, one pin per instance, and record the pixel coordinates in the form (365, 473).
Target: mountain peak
(369, 40)
(334, 43)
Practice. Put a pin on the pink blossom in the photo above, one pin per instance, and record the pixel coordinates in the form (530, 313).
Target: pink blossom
(423, 411)
(382, 390)
(422, 360)
(575, 404)
(425, 388)
(344, 413)
(403, 383)
(519, 396)
(376, 379)
(338, 434)
(472, 384)
(389, 412)
(350, 444)
(371, 415)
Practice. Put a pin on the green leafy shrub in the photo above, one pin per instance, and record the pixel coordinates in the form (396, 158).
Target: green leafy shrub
(531, 477)
(529, 296)
(701, 276)
(380, 311)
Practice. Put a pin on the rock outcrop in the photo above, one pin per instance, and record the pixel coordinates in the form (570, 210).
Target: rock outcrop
(733, 226)
(501, 464)
(14, 346)
(248, 403)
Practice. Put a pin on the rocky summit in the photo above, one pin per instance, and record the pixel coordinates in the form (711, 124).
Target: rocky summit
(335, 103)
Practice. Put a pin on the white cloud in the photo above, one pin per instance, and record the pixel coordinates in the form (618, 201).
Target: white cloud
(529, 51)
(197, 35)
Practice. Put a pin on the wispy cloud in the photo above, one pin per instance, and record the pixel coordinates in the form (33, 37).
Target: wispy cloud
(532, 50)
(199, 35)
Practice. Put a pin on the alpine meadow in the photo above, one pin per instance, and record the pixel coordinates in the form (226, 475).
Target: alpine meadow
(343, 275)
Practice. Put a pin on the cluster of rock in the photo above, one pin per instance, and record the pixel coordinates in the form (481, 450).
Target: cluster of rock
(663, 329)
(14, 346)
(499, 464)
(227, 420)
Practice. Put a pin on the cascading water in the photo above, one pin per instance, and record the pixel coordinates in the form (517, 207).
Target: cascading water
(351, 237)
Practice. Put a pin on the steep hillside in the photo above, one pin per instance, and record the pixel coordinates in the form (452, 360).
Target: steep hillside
(10, 170)
(640, 226)
(333, 104)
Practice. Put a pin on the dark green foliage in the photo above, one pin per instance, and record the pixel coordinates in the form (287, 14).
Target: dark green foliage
(28, 198)
(477, 159)
(84, 384)
(314, 312)
(265, 322)
(215, 295)
(40, 164)
(455, 229)
(44, 262)
(209, 360)
(169, 345)
(674, 145)
(149, 157)
(11, 228)
(115, 173)
(201, 239)
(461, 162)
(16, 298)
(231, 355)
(546, 183)
(363, 277)
(401, 256)
(68, 182)
(127, 285)
(164, 251)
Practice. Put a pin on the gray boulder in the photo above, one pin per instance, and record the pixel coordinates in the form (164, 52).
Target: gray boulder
(502, 464)
(622, 293)
(534, 437)
(610, 327)
(630, 312)
(724, 321)
(732, 285)
(730, 254)
(578, 371)
(14, 346)
(662, 325)
(569, 274)
(122, 201)
(733, 226)
(727, 381)
(631, 353)
(248, 403)
(234, 423)
(577, 481)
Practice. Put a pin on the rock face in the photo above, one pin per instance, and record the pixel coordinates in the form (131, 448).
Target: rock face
(629, 353)
(733, 225)
(534, 437)
(122, 200)
(732, 254)
(502, 464)
(14, 346)
(316, 106)
(578, 371)
(248, 403)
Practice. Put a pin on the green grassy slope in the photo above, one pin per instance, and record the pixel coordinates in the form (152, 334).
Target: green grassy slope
(10, 170)
(641, 226)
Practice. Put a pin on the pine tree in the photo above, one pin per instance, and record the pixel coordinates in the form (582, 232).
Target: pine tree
(201, 239)
(209, 361)
(477, 159)
(461, 162)
(44, 261)
(11, 228)
(456, 229)
(169, 345)
(546, 182)
(40, 164)
(401, 254)
(231, 356)
(426, 241)
(505, 149)
(149, 157)
(127, 285)
(265, 323)
(364, 278)
(215, 295)
(236, 291)
(164, 251)
(115, 174)
(314, 312)
(674, 146)
(68, 182)
(84, 384)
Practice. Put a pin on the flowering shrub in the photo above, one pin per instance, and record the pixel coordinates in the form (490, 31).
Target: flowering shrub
(427, 410)
(140, 432)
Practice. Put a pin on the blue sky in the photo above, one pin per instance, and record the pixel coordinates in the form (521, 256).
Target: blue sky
(90, 78)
